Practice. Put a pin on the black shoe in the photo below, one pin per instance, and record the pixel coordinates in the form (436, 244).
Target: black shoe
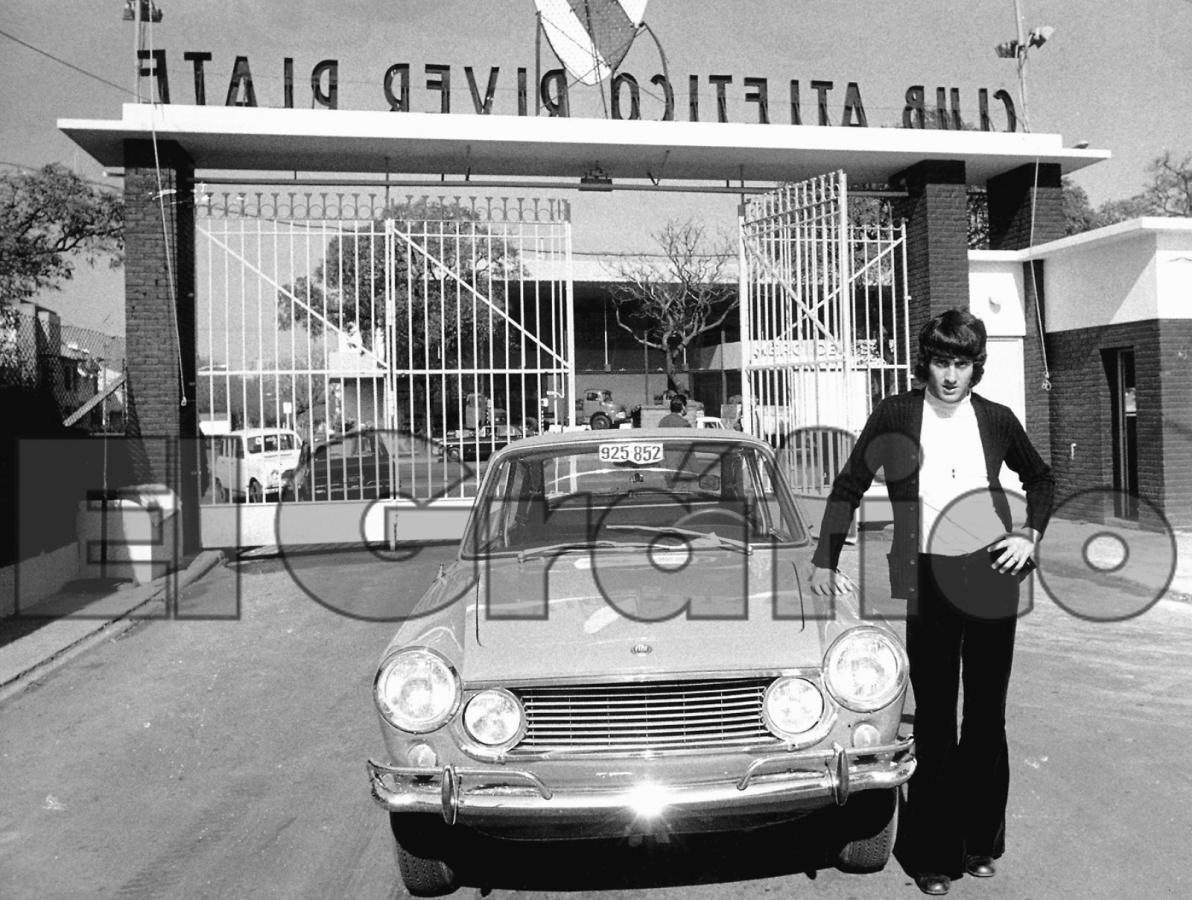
(979, 866)
(934, 884)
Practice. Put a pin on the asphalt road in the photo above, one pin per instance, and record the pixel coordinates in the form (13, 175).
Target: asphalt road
(224, 757)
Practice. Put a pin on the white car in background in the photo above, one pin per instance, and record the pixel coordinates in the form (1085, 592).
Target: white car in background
(248, 464)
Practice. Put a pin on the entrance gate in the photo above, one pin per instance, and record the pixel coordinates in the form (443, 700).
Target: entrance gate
(382, 350)
(823, 322)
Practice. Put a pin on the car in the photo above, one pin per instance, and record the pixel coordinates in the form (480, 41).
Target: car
(248, 464)
(484, 442)
(370, 464)
(624, 645)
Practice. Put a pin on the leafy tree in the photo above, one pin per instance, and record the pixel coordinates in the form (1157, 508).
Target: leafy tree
(447, 281)
(47, 219)
(1079, 214)
(1168, 194)
(666, 306)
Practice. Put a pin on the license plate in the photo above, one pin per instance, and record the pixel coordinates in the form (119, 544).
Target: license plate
(636, 454)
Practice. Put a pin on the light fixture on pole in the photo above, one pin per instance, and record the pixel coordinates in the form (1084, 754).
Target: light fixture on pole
(1019, 49)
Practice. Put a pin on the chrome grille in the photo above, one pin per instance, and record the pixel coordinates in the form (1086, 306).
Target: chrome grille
(658, 715)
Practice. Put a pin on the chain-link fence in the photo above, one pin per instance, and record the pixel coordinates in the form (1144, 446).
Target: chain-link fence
(61, 388)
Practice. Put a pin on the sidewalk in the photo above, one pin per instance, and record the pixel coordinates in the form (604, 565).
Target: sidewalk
(83, 613)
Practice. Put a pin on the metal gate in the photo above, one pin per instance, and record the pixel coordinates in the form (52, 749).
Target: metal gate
(823, 321)
(362, 357)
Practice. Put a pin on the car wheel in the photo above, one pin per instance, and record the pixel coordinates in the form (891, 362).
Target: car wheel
(255, 494)
(421, 845)
(870, 823)
(600, 421)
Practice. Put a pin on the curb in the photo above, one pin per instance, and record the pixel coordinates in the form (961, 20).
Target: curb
(59, 649)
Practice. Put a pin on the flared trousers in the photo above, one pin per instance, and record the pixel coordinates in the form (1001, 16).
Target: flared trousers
(959, 631)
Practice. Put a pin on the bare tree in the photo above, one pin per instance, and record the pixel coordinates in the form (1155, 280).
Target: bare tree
(1170, 191)
(667, 301)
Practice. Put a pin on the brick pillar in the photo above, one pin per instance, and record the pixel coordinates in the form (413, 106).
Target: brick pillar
(159, 303)
(1026, 208)
(936, 214)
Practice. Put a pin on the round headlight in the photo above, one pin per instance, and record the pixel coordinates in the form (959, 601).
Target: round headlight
(792, 706)
(416, 690)
(493, 717)
(865, 669)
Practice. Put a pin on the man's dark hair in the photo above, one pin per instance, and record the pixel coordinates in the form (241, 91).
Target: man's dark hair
(677, 404)
(953, 333)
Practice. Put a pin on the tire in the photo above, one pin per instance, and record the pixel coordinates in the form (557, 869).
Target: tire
(600, 421)
(255, 494)
(421, 844)
(869, 825)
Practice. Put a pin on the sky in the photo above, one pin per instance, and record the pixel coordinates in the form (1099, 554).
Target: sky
(1115, 74)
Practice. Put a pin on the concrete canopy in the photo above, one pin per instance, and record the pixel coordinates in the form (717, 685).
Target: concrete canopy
(320, 140)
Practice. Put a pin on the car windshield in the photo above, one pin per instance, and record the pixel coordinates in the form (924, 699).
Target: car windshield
(633, 492)
(270, 443)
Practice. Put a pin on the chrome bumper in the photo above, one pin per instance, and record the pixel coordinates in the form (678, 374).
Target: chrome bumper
(770, 784)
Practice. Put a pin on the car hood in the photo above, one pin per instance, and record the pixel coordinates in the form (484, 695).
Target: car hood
(617, 614)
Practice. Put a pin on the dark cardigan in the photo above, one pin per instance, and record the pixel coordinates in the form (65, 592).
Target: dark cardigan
(890, 440)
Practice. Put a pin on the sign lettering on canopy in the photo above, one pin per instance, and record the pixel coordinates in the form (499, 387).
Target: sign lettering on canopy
(553, 93)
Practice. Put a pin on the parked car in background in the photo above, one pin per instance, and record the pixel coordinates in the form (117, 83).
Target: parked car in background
(248, 464)
(483, 442)
(623, 646)
(368, 464)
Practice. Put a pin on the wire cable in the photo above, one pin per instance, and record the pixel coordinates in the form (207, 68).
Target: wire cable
(1046, 385)
(63, 62)
(165, 233)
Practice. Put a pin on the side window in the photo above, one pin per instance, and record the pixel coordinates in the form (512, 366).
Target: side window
(271, 443)
(254, 444)
(592, 395)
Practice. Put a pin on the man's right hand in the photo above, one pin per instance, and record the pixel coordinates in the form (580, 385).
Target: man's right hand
(828, 582)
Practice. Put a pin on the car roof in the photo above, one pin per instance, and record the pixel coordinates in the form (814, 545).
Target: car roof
(631, 435)
(251, 432)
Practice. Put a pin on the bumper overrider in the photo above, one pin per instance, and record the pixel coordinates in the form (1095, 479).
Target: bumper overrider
(496, 795)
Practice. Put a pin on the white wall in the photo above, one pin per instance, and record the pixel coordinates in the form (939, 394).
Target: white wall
(996, 291)
(1130, 272)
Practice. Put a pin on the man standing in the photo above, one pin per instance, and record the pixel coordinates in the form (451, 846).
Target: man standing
(957, 561)
(675, 418)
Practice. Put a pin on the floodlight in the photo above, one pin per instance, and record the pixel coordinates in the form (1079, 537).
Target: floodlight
(1039, 36)
(149, 11)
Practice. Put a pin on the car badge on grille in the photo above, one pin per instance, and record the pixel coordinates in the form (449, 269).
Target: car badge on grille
(641, 649)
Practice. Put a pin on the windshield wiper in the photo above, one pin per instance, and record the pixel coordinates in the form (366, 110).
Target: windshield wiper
(554, 549)
(721, 541)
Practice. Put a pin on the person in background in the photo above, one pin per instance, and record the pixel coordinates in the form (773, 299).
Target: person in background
(957, 560)
(675, 418)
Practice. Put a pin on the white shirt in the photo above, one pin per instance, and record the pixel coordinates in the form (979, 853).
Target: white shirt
(957, 515)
